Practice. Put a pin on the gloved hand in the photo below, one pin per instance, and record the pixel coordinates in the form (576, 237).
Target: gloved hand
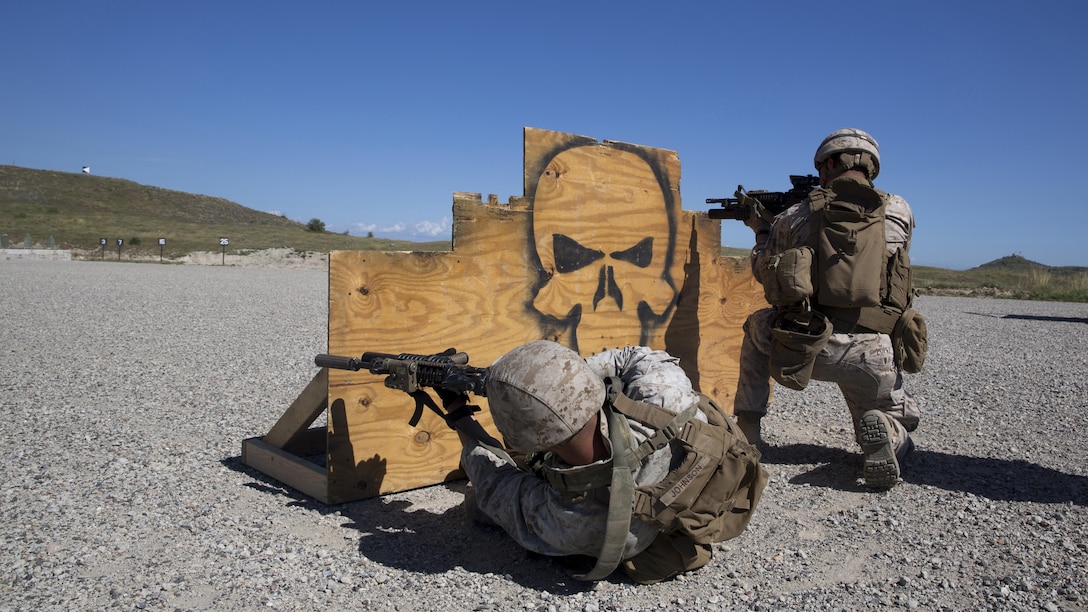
(450, 398)
(757, 215)
(459, 413)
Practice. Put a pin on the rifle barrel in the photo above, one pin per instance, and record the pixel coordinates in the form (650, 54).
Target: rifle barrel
(336, 361)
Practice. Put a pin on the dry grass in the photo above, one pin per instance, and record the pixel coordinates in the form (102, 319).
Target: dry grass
(75, 211)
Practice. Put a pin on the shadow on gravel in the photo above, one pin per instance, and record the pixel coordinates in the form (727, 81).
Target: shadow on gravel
(996, 479)
(1033, 317)
(391, 533)
(422, 541)
(836, 468)
(1043, 318)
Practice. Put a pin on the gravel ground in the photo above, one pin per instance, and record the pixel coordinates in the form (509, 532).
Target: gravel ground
(127, 389)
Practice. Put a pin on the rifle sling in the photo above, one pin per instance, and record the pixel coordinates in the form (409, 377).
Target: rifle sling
(667, 426)
(620, 494)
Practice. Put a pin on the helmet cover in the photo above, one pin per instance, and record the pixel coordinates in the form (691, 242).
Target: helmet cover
(849, 140)
(541, 394)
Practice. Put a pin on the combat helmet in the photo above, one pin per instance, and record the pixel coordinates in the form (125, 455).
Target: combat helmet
(541, 394)
(865, 150)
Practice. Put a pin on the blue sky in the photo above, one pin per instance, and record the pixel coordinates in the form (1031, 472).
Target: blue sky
(369, 116)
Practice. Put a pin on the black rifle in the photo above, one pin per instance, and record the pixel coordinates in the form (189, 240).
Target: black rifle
(446, 371)
(773, 202)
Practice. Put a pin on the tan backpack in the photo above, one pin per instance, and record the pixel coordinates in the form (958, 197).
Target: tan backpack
(711, 495)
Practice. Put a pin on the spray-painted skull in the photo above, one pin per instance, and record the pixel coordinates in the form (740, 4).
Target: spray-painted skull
(605, 239)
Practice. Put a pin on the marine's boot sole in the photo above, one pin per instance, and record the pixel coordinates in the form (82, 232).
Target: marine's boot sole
(881, 465)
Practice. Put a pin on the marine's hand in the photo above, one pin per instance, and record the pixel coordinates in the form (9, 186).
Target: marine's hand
(470, 431)
(757, 215)
(451, 399)
(460, 412)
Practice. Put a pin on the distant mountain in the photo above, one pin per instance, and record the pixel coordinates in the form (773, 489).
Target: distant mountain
(1017, 263)
(1013, 263)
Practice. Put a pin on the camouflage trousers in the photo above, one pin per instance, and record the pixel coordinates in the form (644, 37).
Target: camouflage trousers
(862, 365)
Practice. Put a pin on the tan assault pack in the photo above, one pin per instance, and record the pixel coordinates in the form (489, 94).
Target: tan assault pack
(711, 495)
(847, 266)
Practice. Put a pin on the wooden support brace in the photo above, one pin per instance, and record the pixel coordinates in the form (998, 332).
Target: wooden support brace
(282, 452)
(313, 400)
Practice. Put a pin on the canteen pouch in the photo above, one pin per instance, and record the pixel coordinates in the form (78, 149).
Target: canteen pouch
(910, 341)
(788, 277)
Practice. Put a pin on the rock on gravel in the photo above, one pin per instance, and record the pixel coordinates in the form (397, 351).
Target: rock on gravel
(127, 389)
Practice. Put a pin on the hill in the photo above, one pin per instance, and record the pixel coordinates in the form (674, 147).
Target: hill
(1007, 277)
(1012, 263)
(1018, 264)
(76, 211)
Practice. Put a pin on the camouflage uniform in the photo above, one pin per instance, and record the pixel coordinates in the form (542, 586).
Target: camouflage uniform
(861, 364)
(546, 521)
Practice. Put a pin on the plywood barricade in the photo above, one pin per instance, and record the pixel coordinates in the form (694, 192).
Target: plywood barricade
(597, 254)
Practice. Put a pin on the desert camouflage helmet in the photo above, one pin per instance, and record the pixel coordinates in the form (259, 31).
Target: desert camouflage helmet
(541, 394)
(849, 140)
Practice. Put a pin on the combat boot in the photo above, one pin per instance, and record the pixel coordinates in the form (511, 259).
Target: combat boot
(884, 442)
(748, 422)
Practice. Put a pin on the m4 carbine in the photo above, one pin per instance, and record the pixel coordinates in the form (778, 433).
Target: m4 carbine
(446, 372)
(773, 203)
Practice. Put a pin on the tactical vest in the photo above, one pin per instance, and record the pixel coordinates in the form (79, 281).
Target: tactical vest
(709, 496)
(847, 275)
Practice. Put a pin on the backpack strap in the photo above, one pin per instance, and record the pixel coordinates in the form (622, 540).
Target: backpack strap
(667, 425)
(819, 197)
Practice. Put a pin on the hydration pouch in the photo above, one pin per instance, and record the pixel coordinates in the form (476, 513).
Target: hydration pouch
(900, 286)
(851, 247)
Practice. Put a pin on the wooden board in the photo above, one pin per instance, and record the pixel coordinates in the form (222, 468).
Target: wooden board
(598, 253)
